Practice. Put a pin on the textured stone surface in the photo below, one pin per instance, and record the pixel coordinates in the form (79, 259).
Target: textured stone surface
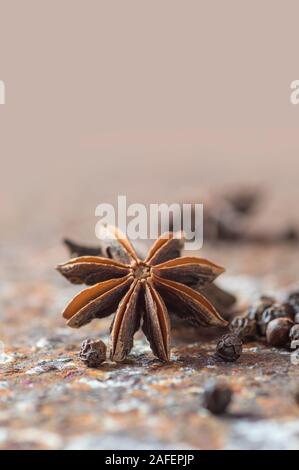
(49, 399)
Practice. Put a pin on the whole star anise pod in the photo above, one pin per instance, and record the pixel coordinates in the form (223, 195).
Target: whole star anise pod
(140, 291)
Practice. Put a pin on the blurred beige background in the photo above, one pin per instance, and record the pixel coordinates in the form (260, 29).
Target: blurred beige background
(151, 99)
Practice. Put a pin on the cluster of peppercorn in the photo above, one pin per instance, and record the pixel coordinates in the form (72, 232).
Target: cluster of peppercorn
(277, 322)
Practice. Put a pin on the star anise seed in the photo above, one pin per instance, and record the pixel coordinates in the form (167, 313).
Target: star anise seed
(140, 292)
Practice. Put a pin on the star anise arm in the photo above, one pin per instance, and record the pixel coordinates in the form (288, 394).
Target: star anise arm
(116, 245)
(166, 247)
(220, 298)
(156, 325)
(102, 249)
(189, 271)
(76, 249)
(97, 301)
(192, 305)
(90, 270)
(125, 322)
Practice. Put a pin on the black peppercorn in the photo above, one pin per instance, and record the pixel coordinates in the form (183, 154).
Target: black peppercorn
(229, 347)
(243, 327)
(256, 310)
(216, 397)
(294, 336)
(278, 330)
(293, 300)
(275, 311)
(289, 310)
(93, 353)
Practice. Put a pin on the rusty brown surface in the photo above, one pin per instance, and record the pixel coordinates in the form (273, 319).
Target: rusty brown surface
(49, 399)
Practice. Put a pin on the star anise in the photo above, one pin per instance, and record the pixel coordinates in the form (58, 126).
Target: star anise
(220, 298)
(140, 292)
